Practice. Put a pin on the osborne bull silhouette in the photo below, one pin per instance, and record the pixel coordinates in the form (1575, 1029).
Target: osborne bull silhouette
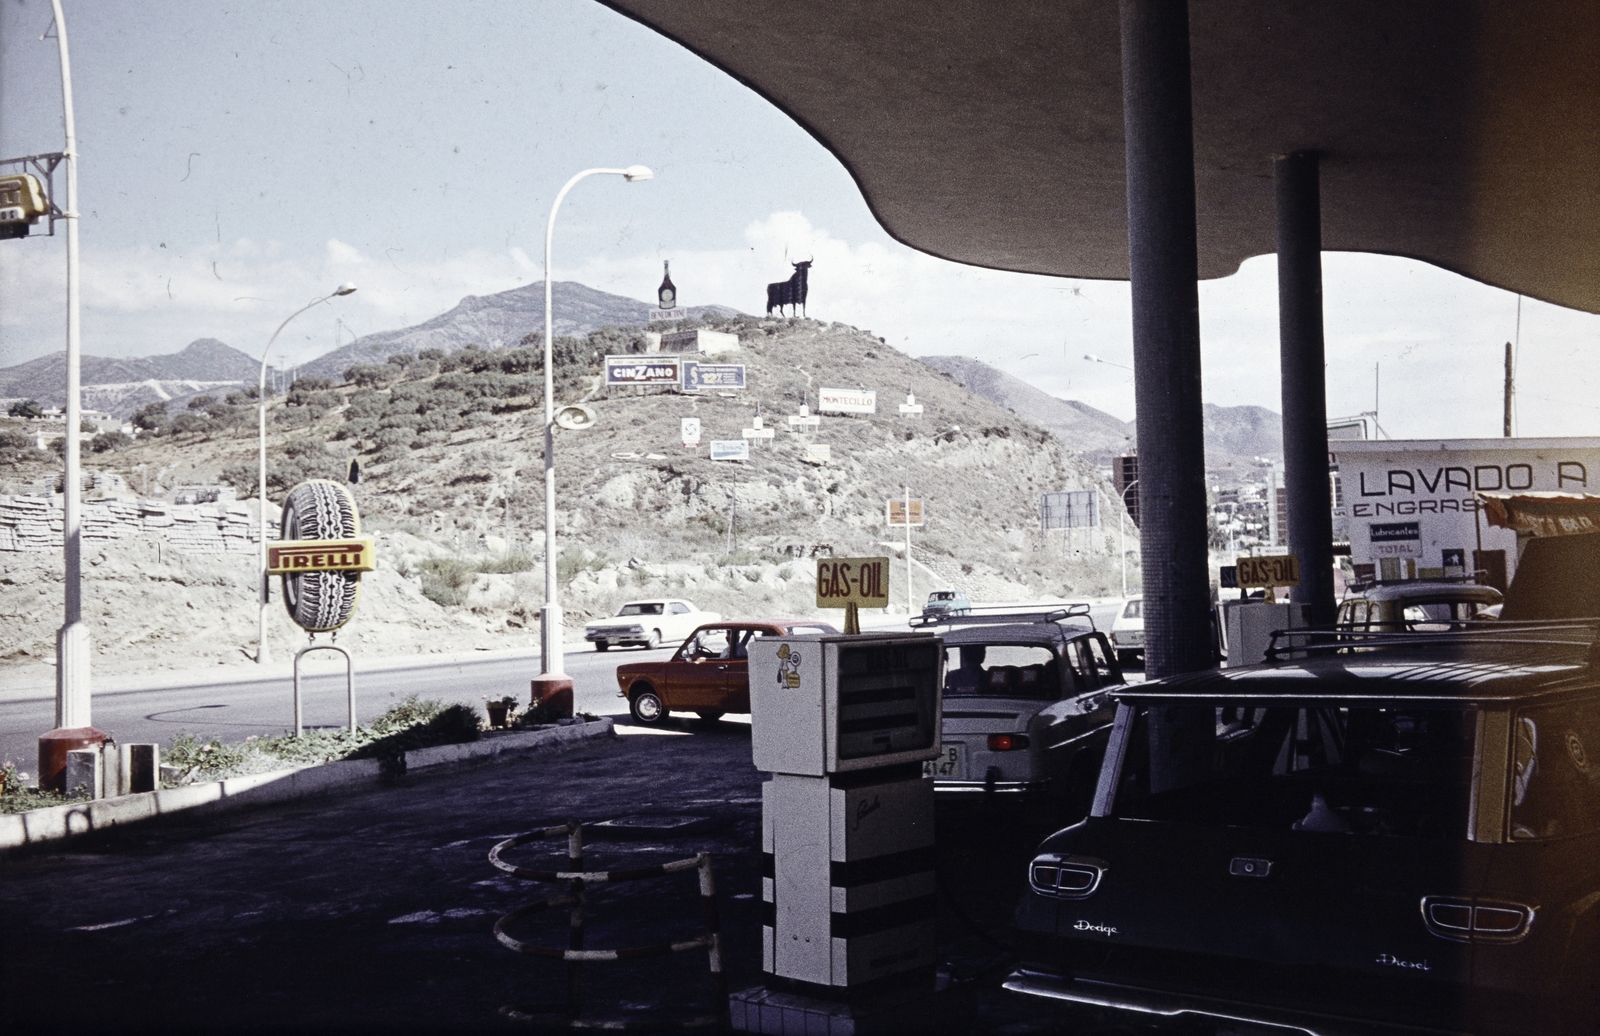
(791, 293)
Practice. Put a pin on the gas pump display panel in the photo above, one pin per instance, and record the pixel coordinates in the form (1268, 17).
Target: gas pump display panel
(826, 704)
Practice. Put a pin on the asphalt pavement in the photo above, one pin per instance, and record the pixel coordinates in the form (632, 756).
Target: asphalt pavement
(237, 705)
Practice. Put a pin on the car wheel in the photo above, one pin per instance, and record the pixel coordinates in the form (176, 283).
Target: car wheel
(601, 645)
(654, 641)
(709, 716)
(646, 706)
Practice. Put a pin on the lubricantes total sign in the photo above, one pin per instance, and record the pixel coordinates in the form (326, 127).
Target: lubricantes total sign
(293, 556)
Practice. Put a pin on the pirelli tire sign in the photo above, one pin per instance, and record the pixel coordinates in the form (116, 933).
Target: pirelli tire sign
(321, 555)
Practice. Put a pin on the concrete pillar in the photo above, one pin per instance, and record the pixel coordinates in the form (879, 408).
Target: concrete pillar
(1301, 368)
(1164, 269)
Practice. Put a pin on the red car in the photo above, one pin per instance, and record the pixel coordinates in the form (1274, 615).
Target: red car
(708, 675)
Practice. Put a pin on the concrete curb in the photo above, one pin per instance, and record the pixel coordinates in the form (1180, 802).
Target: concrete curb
(76, 818)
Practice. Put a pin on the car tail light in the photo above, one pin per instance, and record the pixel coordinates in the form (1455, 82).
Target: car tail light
(1066, 877)
(1007, 742)
(1471, 919)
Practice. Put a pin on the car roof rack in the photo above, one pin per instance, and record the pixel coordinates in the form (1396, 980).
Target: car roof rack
(1581, 636)
(1009, 616)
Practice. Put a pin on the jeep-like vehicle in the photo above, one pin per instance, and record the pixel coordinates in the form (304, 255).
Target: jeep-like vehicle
(1026, 708)
(1370, 832)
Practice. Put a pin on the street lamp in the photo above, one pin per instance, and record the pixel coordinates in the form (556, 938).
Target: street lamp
(552, 671)
(1092, 358)
(262, 654)
(1122, 532)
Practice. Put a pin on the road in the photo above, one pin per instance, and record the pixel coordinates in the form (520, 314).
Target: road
(235, 707)
(234, 710)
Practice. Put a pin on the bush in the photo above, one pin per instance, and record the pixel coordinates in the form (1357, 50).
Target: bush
(372, 375)
(201, 402)
(110, 441)
(152, 417)
(240, 398)
(508, 563)
(188, 422)
(28, 408)
(303, 384)
(443, 580)
(10, 440)
(402, 359)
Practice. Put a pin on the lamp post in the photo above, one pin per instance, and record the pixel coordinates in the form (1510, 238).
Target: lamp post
(262, 654)
(73, 728)
(552, 671)
(1122, 532)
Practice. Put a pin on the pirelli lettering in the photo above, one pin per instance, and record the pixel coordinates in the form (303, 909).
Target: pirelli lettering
(351, 555)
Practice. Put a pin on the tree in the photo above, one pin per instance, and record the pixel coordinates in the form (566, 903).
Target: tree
(110, 441)
(201, 402)
(152, 417)
(26, 408)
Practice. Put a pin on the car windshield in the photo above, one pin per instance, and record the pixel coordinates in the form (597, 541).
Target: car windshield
(1135, 609)
(1003, 670)
(1400, 772)
(641, 608)
(942, 595)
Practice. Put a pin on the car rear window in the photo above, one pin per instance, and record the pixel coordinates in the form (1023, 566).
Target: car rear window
(1398, 772)
(1555, 781)
(1134, 610)
(1003, 671)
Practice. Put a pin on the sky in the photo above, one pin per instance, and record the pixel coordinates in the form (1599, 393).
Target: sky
(241, 159)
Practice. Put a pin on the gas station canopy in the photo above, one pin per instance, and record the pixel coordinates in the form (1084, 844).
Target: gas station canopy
(1466, 135)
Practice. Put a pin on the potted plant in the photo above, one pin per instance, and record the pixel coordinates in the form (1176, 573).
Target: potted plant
(499, 710)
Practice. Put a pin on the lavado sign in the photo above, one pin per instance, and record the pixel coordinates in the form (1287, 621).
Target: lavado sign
(863, 582)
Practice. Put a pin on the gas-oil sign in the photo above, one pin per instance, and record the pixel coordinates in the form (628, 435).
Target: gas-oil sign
(863, 582)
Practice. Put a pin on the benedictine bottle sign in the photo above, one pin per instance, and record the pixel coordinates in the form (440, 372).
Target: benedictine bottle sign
(667, 296)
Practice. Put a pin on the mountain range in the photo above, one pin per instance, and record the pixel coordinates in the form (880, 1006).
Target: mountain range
(499, 321)
(1235, 435)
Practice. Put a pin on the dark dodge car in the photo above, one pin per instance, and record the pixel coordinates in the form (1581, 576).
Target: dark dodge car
(1381, 832)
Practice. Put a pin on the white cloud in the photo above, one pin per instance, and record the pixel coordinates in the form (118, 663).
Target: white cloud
(1438, 337)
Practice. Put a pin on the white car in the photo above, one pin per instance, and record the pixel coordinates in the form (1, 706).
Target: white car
(648, 624)
(1127, 630)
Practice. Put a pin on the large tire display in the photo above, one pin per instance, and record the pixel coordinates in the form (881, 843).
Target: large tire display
(320, 510)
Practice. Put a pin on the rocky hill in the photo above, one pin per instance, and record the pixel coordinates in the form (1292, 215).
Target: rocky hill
(499, 321)
(1080, 426)
(452, 455)
(121, 386)
(1237, 437)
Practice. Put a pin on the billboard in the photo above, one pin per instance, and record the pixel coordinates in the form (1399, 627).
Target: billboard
(642, 370)
(697, 376)
(691, 433)
(1074, 509)
(897, 511)
(847, 401)
(730, 449)
(1412, 503)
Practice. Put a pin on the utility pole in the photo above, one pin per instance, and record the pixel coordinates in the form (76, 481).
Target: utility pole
(910, 597)
(1510, 388)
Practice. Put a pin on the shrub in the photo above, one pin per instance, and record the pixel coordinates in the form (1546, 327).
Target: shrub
(188, 422)
(372, 375)
(304, 384)
(434, 355)
(26, 408)
(109, 441)
(152, 417)
(247, 395)
(443, 579)
(201, 402)
(506, 564)
(402, 359)
(10, 440)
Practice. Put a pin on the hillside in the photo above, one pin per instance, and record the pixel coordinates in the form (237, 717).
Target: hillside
(452, 485)
(498, 321)
(121, 386)
(1235, 436)
(1079, 426)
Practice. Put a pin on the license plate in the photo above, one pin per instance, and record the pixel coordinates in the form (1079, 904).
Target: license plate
(949, 764)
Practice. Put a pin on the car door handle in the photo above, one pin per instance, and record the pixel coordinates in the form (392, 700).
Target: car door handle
(722, 667)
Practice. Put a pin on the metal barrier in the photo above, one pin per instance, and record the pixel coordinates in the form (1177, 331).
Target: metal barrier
(350, 681)
(575, 954)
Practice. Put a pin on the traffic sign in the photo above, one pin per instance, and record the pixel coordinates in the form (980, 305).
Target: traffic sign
(863, 582)
(1270, 570)
(897, 511)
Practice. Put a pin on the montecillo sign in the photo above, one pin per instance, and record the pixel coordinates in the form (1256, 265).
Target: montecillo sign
(847, 401)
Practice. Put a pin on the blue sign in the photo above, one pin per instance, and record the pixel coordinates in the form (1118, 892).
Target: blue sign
(697, 376)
